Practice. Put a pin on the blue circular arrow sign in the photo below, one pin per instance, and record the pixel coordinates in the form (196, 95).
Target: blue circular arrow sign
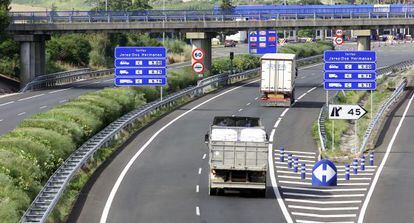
(324, 174)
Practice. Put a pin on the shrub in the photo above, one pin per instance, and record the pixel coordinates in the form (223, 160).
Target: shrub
(71, 48)
(12, 200)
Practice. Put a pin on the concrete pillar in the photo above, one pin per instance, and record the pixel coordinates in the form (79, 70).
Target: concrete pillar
(202, 40)
(363, 39)
(32, 56)
(295, 35)
(324, 34)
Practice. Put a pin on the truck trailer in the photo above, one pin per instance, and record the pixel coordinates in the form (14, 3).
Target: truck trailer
(238, 152)
(278, 74)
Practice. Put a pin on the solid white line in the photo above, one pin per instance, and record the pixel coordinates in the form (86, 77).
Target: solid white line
(284, 112)
(323, 195)
(8, 95)
(323, 190)
(289, 177)
(34, 96)
(324, 215)
(241, 109)
(272, 134)
(197, 188)
(323, 202)
(277, 123)
(290, 172)
(118, 181)
(198, 211)
(359, 174)
(298, 156)
(65, 89)
(276, 188)
(286, 167)
(384, 160)
(7, 103)
(305, 221)
(311, 89)
(300, 97)
(356, 178)
(294, 182)
(300, 152)
(22, 113)
(204, 156)
(323, 209)
(42, 107)
(353, 184)
(300, 161)
(199, 170)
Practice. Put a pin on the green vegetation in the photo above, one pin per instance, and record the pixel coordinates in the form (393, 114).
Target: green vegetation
(9, 63)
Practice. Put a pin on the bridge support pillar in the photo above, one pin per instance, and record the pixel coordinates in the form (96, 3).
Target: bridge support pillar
(202, 40)
(32, 56)
(363, 39)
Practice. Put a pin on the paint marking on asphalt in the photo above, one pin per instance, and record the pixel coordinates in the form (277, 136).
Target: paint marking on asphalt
(300, 97)
(22, 113)
(272, 134)
(197, 188)
(42, 107)
(323, 209)
(241, 109)
(357, 178)
(233, 115)
(359, 174)
(63, 101)
(294, 182)
(107, 80)
(248, 104)
(323, 190)
(8, 95)
(305, 221)
(311, 90)
(322, 195)
(204, 156)
(288, 177)
(198, 211)
(300, 161)
(384, 160)
(324, 215)
(256, 98)
(277, 123)
(1, 120)
(7, 103)
(31, 97)
(120, 178)
(299, 152)
(199, 170)
(323, 202)
(353, 184)
(298, 156)
(65, 89)
(284, 112)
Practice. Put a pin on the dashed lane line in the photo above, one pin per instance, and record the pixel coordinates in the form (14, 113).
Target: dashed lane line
(22, 113)
(199, 170)
(306, 221)
(1, 120)
(204, 156)
(63, 101)
(248, 104)
(42, 107)
(323, 209)
(60, 90)
(323, 202)
(198, 211)
(197, 188)
(324, 215)
(322, 195)
(31, 97)
(241, 109)
(7, 103)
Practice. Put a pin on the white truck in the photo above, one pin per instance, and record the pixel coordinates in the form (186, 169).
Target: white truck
(278, 74)
(238, 149)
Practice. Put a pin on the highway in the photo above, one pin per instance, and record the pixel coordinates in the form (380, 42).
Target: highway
(160, 175)
(16, 107)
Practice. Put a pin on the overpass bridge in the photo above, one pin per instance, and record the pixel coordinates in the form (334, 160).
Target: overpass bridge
(32, 29)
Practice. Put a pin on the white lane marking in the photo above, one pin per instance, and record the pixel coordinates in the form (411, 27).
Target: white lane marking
(300, 97)
(299, 152)
(300, 161)
(248, 104)
(291, 172)
(108, 80)
(323, 209)
(323, 195)
(1, 120)
(359, 170)
(118, 181)
(353, 184)
(197, 188)
(65, 89)
(241, 109)
(7, 103)
(294, 182)
(288, 177)
(277, 122)
(204, 156)
(233, 115)
(302, 77)
(276, 188)
(324, 215)
(63, 101)
(256, 98)
(357, 178)
(298, 156)
(323, 190)
(8, 95)
(97, 82)
(384, 160)
(272, 134)
(284, 112)
(323, 202)
(42, 107)
(286, 167)
(359, 174)
(199, 170)
(22, 113)
(311, 89)
(198, 211)
(305, 221)
(31, 97)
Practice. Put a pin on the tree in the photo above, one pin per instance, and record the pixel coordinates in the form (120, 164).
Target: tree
(226, 6)
(310, 2)
(121, 4)
(4, 17)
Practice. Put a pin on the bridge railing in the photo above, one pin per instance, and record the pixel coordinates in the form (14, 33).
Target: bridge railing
(53, 189)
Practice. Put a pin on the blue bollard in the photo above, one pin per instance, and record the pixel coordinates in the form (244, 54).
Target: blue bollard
(290, 160)
(295, 164)
(303, 171)
(282, 154)
(355, 166)
(371, 158)
(347, 171)
(363, 163)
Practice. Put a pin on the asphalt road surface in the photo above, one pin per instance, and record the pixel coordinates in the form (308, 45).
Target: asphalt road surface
(16, 107)
(161, 174)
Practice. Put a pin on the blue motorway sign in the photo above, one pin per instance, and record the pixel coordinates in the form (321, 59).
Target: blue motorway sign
(140, 52)
(350, 85)
(140, 71)
(350, 66)
(140, 63)
(141, 81)
(350, 75)
(262, 41)
(349, 56)
(324, 173)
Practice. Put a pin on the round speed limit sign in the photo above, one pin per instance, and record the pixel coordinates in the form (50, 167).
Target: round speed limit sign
(198, 54)
(339, 32)
(198, 67)
(338, 41)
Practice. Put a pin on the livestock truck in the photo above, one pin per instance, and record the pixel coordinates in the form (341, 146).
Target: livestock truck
(238, 153)
(278, 74)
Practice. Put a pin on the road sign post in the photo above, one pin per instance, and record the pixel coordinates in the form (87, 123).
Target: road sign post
(324, 173)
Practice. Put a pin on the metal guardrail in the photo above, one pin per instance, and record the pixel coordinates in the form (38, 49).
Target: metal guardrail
(52, 191)
(66, 77)
(321, 128)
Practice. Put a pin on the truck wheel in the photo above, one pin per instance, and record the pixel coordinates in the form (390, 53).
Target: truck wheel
(212, 192)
